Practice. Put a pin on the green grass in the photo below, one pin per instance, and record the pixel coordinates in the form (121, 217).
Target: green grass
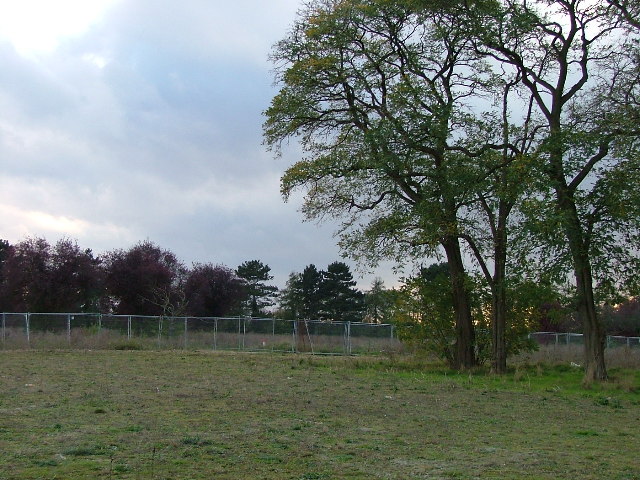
(177, 415)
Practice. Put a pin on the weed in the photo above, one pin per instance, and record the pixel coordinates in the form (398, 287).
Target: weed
(195, 441)
(608, 402)
(121, 468)
(46, 463)
(128, 345)
(85, 451)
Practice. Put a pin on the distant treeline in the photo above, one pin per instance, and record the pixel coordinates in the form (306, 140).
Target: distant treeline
(36, 276)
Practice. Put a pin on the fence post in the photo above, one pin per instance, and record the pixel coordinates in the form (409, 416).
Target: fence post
(273, 332)
(3, 327)
(348, 338)
(99, 322)
(26, 320)
(68, 328)
(129, 327)
(294, 344)
(215, 333)
(244, 332)
(186, 321)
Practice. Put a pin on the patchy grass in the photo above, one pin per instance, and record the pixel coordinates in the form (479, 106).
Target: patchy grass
(191, 415)
(616, 357)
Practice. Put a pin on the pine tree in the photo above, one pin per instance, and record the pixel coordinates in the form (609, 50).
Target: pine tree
(260, 295)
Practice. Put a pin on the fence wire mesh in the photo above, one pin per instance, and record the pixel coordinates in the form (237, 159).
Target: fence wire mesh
(96, 331)
(102, 331)
(554, 338)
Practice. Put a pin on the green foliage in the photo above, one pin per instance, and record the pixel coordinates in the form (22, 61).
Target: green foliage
(290, 299)
(425, 316)
(318, 294)
(260, 295)
(426, 321)
(341, 301)
(309, 287)
(376, 132)
(380, 303)
(428, 123)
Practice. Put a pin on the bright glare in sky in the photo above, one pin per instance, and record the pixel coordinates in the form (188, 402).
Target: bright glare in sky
(38, 26)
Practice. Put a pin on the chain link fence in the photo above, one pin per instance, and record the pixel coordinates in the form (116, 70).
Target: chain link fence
(129, 332)
(554, 338)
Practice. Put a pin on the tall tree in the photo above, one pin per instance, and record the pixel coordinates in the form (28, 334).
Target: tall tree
(144, 280)
(341, 301)
(580, 68)
(5, 251)
(38, 277)
(505, 175)
(309, 289)
(213, 291)
(319, 294)
(379, 302)
(290, 298)
(378, 94)
(261, 295)
(77, 279)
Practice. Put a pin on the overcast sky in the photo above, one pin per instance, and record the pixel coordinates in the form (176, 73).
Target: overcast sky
(126, 120)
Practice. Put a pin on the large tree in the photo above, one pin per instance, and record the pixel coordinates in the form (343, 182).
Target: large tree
(322, 295)
(309, 291)
(341, 300)
(379, 302)
(377, 94)
(579, 65)
(39, 277)
(213, 291)
(144, 280)
(260, 295)
(290, 298)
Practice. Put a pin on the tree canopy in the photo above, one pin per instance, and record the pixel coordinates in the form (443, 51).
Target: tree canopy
(260, 295)
(510, 126)
(145, 279)
(329, 294)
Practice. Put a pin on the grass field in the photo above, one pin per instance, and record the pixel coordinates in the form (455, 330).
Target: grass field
(197, 415)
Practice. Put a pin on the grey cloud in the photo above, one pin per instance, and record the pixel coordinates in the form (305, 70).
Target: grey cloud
(149, 126)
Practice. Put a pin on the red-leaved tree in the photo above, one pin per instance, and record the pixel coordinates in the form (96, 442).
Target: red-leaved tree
(38, 277)
(213, 291)
(144, 280)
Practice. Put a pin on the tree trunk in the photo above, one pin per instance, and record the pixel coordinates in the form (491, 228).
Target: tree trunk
(303, 343)
(594, 339)
(499, 293)
(499, 321)
(465, 338)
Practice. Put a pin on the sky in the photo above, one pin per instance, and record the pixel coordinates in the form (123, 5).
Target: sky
(128, 120)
